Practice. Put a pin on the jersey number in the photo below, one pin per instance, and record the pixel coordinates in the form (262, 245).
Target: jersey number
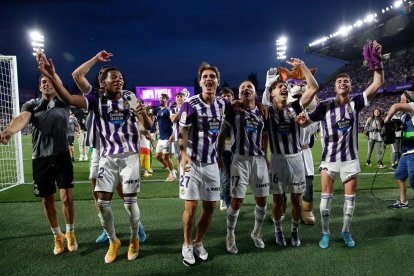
(101, 172)
(235, 181)
(274, 178)
(185, 179)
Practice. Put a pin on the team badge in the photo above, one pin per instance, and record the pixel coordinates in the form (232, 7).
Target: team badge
(348, 109)
(182, 191)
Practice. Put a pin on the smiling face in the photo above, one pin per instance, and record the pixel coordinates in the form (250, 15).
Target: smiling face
(209, 82)
(279, 92)
(112, 81)
(247, 91)
(46, 88)
(343, 85)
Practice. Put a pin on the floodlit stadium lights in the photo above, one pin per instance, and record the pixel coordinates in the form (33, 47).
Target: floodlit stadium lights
(37, 44)
(369, 18)
(281, 48)
(37, 41)
(36, 36)
(281, 57)
(358, 23)
(281, 40)
(397, 3)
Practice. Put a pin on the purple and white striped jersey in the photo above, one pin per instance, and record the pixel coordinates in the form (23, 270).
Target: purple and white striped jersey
(339, 128)
(176, 125)
(284, 132)
(204, 122)
(116, 126)
(247, 128)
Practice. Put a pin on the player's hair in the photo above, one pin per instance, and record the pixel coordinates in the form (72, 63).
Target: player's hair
(342, 75)
(409, 95)
(103, 74)
(205, 66)
(165, 96)
(226, 90)
(275, 83)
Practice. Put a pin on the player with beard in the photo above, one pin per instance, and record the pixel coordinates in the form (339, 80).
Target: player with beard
(248, 166)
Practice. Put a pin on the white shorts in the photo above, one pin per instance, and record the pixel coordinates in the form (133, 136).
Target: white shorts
(94, 165)
(119, 168)
(201, 182)
(346, 170)
(287, 174)
(175, 150)
(163, 146)
(249, 171)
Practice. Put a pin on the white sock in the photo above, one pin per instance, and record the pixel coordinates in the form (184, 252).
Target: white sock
(107, 219)
(294, 226)
(70, 227)
(325, 209)
(259, 217)
(278, 225)
(56, 231)
(131, 206)
(349, 208)
(232, 216)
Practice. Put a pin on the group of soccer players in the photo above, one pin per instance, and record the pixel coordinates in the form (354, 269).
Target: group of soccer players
(203, 121)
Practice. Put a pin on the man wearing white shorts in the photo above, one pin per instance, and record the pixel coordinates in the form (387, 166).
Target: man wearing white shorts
(113, 108)
(249, 166)
(200, 121)
(339, 128)
(287, 171)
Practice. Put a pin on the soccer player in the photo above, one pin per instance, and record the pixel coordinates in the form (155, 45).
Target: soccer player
(287, 171)
(201, 117)
(165, 128)
(51, 160)
(73, 127)
(405, 168)
(248, 166)
(92, 138)
(339, 119)
(175, 119)
(225, 198)
(83, 148)
(118, 130)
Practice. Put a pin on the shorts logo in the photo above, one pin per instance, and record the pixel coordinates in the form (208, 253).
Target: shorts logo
(213, 189)
(35, 189)
(132, 181)
(264, 185)
(182, 191)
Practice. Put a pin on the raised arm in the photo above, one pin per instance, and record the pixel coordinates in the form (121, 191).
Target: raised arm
(47, 68)
(313, 86)
(80, 72)
(16, 125)
(404, 107)
(378, 79)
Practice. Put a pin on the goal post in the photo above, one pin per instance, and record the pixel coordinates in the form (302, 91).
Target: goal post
(11, 156)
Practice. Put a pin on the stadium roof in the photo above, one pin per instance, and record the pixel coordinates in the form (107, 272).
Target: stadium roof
(394, 29)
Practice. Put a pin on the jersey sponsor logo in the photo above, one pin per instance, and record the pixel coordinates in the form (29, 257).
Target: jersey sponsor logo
(117, 117)
(213, 189)
(251, 125)
(283, 129)
(302, 183)
(183, 117)
(344, 124)
(214, 126)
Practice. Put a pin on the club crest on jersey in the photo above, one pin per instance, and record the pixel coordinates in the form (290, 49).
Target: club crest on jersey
(344, 124)
(214, 126)
(348, 109)
(221, 111)
(117, 117)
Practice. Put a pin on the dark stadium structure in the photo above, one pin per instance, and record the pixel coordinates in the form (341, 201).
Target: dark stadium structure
(394, 29)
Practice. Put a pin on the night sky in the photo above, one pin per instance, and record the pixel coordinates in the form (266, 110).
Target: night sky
(164, 42)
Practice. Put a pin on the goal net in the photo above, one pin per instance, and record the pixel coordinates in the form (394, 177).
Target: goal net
(11, 160)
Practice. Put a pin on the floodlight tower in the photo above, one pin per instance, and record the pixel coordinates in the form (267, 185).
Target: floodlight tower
(281, 48)
(38, 41)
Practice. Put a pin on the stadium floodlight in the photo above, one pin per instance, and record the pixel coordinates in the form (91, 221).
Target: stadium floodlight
(369, 18)
(281, 47)
(358, 23)
(38, 41)
(344, 30)
(397, 4)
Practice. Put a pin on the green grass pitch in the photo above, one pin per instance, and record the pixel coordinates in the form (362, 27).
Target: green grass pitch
(384, 237)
